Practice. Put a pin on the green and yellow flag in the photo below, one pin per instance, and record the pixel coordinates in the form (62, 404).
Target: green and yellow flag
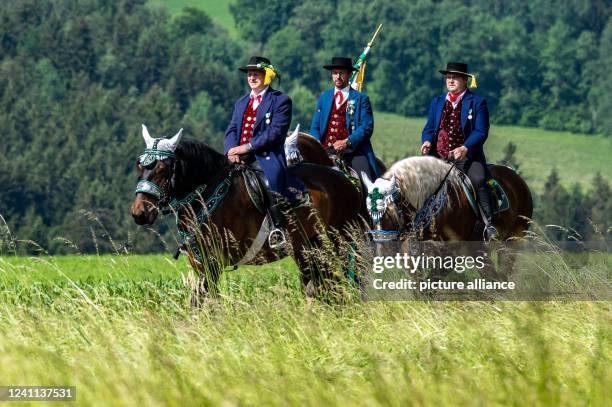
(358, 76)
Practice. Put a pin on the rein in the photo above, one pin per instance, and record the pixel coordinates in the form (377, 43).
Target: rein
(208, 205)
(168, 204)
(432, 205)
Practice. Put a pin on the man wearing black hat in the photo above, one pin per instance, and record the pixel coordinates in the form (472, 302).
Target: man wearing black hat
(257, 132)
(343, 120)
(456, 129)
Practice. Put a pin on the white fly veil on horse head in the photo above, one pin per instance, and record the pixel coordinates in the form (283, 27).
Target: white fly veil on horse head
(157, 149)
(163, 144)
(381, 193)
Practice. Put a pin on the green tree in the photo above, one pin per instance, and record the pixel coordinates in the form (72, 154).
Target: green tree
(600, 97)
(303, 107)
(509, 159)
(599, 206)
(257, 22)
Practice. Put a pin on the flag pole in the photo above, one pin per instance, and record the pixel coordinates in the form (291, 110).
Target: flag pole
(374, 36)
(360, 63)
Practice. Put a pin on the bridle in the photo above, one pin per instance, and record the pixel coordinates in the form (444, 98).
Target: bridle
(148, 160)
(377, 204)
(377, 211)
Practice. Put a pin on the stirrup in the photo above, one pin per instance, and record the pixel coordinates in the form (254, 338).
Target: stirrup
(490, 233)
(276, 239)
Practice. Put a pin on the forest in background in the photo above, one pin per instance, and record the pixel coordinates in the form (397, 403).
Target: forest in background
(539, 63)
(78, 77)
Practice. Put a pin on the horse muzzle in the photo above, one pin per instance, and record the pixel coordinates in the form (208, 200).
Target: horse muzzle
(144, 211)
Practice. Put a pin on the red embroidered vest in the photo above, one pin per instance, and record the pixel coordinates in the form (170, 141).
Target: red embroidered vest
(336, 125)
(452, 136)
(248, 123)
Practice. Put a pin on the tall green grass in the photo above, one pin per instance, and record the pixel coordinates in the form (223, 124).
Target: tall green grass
(121, 330)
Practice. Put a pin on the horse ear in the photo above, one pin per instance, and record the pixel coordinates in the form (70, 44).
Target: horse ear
(147, 137)
(366, 180)
(393, 183)
(296, 131)
(174, 141)
(292, 152)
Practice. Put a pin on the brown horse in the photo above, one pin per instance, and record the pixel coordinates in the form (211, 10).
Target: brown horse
(423, 197)
(313, 152)
(206, 190)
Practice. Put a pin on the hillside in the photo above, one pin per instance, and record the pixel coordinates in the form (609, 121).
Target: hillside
(576, 157)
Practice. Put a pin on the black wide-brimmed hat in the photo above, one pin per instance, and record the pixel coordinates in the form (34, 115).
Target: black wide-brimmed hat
(456, 67)
(340, 63)
(254, 61)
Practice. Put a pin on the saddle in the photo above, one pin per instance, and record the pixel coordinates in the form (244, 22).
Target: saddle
(255, 183)
(344, 168)
(499, 198)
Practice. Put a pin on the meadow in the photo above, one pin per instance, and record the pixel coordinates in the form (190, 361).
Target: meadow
(120, 327)
(121, 330)
(218, 10)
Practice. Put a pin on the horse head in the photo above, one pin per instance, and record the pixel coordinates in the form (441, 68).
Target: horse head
(156, 170)
(382, 203)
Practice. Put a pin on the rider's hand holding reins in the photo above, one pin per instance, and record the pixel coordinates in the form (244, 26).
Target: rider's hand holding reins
(426, 148)
(458, 153)
(234, 153)
(340, 145)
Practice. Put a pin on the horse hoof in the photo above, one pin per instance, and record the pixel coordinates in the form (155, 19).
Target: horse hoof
(310, 292)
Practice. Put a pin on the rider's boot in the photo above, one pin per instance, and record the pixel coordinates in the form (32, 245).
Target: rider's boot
(490, 233)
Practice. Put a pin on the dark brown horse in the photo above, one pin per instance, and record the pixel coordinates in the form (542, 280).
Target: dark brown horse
(423, 197)
(186, 175)
(313, 152)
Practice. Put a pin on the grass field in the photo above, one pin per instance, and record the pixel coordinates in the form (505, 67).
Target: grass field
(119, 328)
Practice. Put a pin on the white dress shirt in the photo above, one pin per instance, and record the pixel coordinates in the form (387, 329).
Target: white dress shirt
(458, 100)
(263, 92)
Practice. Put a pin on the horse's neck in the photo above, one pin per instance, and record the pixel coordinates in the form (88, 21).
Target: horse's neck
(197, 177)
(416, 196)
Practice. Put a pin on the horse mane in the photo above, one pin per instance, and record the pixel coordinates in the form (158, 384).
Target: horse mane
(197, 162)
(419, 177)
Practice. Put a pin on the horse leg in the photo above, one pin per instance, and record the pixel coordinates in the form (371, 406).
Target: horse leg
(306, 271)
(206, 287)
(312, 259)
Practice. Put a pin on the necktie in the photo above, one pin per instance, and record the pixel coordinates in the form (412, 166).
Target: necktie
(453, 98)
(339, 98)
(256, 101)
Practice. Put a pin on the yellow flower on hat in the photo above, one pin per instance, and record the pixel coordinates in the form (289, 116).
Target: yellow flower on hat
(270, 71)
(270, 75)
